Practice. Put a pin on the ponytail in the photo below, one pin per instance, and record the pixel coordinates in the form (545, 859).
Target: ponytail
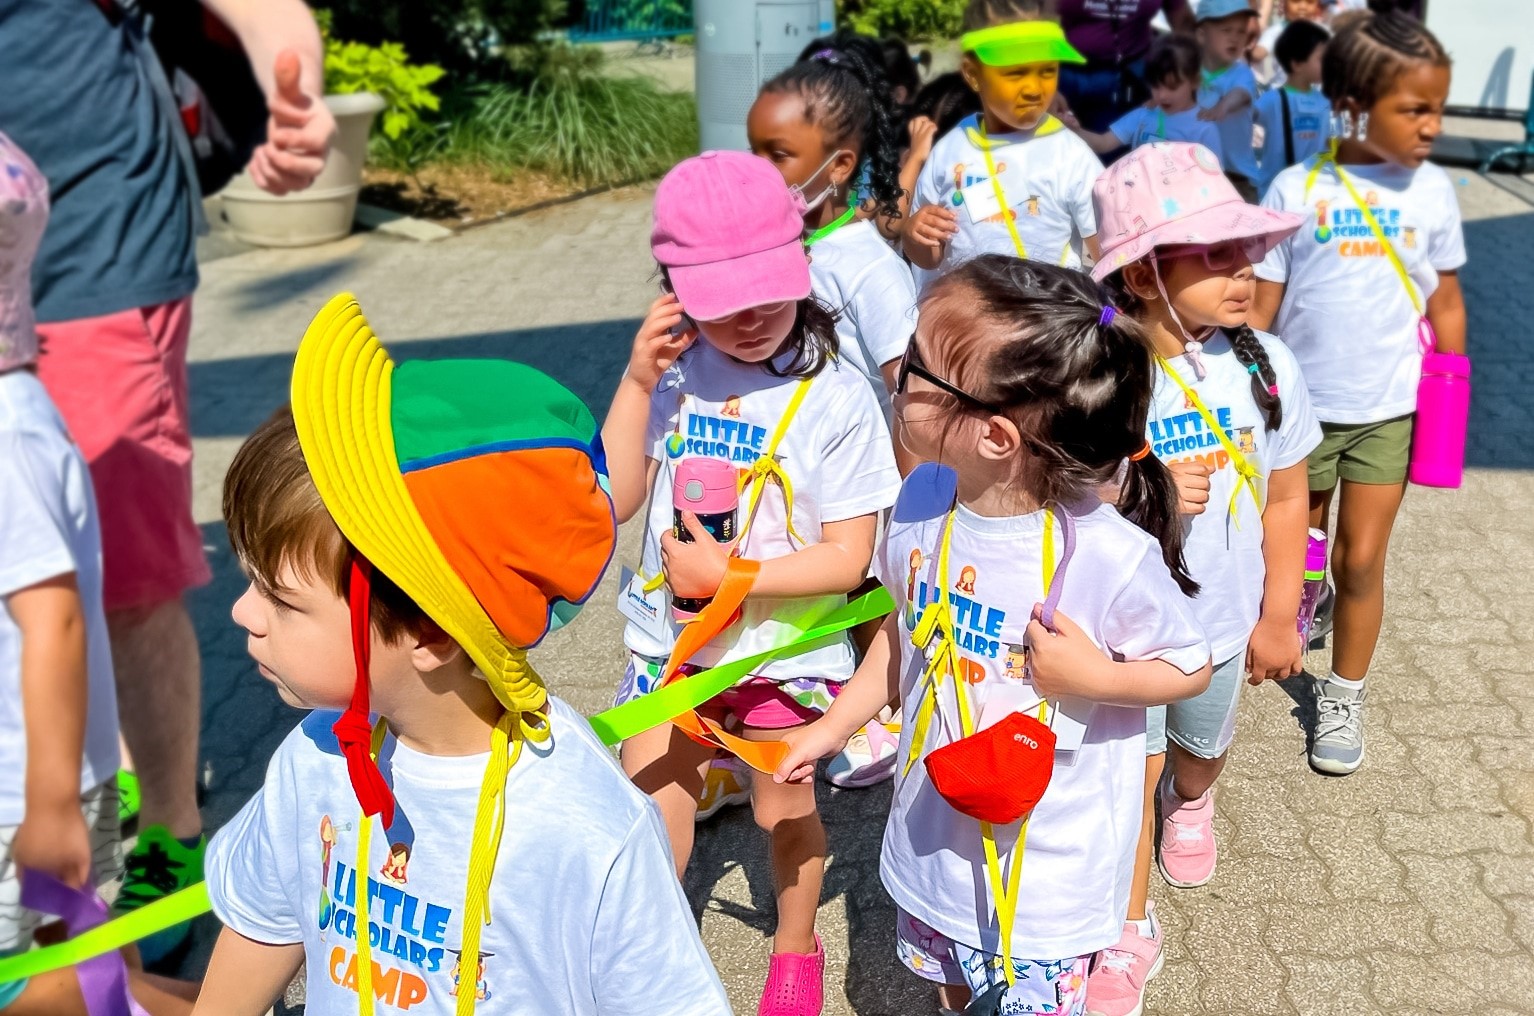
(1249, 350)
(1150, 500)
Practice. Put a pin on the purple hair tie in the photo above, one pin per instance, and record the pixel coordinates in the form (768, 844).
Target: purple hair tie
(828, 55)
(1106, 317)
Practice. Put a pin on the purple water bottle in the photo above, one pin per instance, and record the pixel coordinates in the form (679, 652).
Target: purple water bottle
(1443, 416)
(1315, 583)
(707, 488)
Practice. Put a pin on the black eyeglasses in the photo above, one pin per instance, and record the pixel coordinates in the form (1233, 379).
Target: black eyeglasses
(911, 363)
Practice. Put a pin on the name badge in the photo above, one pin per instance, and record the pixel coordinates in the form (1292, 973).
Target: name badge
(980, 201)
(650, 611)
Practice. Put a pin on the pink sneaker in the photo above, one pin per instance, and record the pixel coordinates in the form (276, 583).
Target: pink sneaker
(1116, 986)
(1188, 852)
(795, 984)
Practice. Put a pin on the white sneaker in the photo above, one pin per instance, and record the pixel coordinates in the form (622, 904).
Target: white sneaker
(869, 757)
(728, 783)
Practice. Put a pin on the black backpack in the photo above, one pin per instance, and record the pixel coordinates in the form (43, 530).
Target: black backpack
(202, 79)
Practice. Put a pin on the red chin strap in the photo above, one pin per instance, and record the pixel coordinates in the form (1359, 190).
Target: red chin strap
(354, 730)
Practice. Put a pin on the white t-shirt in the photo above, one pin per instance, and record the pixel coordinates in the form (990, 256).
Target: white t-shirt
(587, 915)
(1046, 178)
(48, 528)
(1226, 560)
(836, 451)
(1309, 114)
(1141, 126)
(1345, 313)
(1082, 835)
(856, 274)
(1236, 153)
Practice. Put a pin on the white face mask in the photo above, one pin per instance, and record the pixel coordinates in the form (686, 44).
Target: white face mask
(810, 204)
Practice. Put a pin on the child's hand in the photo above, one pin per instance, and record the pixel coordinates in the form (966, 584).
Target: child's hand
(655, 347)
(1274, 652)
(923, 130)
(1192, 479)
(53, 839)
(1063, 662)
(1219, 110)
(933, 226)
(694, 570)
(806, 746)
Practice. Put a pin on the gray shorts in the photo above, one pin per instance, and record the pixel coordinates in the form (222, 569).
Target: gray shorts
(1205, 724)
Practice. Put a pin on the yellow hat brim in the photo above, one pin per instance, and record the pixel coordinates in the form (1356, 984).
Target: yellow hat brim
(341, 395)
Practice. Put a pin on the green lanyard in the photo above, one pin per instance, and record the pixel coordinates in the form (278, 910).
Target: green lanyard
(1210, 77)
(825, 231)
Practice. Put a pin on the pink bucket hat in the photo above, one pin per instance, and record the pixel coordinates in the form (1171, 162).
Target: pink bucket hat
(1171, 192)
(730, 235)
(23, 214)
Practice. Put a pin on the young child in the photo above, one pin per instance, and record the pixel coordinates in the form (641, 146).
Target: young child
(1266, 66)
(409, 530)
(1228, 88)
(937, 109)
(58, 725)
(1025, 394)
(818, 122)
(1348, 294)
(749, 376)
(1294, 116)
(1013, 179)
(1173, 74)
(1231, 418)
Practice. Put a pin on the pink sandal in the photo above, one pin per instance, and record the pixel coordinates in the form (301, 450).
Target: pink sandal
(795, 984)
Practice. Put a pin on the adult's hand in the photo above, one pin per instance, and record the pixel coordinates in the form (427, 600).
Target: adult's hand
(299, 132)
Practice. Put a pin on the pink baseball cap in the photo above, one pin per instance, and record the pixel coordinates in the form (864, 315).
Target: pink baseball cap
(23, 214)
(1172, 192)
(730, 235)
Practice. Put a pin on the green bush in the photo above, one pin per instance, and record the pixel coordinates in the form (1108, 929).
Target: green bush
(571, 120)
(909, 19)
(464, 36)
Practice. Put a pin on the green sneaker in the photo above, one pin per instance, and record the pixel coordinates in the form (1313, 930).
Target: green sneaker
(127, 798)
(158, 866)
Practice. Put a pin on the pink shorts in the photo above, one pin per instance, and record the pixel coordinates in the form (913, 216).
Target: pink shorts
(120, 382)
(757, 702)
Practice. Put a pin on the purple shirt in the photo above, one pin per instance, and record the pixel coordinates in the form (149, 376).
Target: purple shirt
(1112, 31)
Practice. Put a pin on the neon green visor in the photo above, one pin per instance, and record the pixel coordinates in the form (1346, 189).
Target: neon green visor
(1021, 42)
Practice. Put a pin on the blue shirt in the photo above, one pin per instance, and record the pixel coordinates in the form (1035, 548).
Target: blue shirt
(77, 99)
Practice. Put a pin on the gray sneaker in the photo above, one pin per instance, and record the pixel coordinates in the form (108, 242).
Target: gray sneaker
(1337, 745)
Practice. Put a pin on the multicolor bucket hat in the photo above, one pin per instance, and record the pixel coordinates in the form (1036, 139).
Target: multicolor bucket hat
(477, 486)
(1172, 192)
(23, 216)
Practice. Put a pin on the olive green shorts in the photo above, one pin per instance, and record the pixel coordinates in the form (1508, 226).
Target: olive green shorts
(1362, 453)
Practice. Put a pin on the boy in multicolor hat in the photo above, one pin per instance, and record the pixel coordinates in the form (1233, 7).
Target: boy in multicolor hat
(409, 532)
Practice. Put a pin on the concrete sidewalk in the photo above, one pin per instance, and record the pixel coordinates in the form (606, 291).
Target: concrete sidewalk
(1407, 889)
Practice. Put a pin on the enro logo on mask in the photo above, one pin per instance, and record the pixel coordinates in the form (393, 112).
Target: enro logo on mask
(1025, 739)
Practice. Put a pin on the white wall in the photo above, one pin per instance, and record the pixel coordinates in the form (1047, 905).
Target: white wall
(1492, 43)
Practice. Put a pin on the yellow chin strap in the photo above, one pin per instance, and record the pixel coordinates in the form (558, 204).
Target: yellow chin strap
(935, 631)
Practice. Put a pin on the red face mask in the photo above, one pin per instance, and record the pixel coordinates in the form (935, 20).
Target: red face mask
(998, 774)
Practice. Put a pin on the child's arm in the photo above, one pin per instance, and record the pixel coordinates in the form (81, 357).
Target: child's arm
(52, 837)
(1274, 651)
(925, 236)
(837, 564)
(1067, 664)
(1102, 143)
(245, 977)
(630, 469)
(874, 686)
(923, 133)
(1231, 103)
(1446, 313)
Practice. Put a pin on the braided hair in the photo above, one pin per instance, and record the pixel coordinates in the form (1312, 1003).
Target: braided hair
(980, 14)
(1370, 52)
(1075, 377)
(1249, 351)
(847, 96)
(946, 100)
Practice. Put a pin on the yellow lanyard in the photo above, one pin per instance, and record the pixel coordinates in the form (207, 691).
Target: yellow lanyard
(937, 623)
(1244, 468)
(985, 144)
(1329, 158)
(489, 820)
(756, 477)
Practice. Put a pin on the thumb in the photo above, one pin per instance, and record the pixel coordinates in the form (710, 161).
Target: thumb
(697, 529)
(286, 73)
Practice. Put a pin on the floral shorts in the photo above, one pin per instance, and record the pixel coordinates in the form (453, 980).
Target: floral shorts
(758, 702)
(1056, 987)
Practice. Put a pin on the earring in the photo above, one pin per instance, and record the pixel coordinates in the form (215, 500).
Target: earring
(1363, 126)
(1346, 131)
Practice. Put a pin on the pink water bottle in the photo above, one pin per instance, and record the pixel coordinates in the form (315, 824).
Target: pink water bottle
(1315, 583)
(707, 488)
(1443, 415)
